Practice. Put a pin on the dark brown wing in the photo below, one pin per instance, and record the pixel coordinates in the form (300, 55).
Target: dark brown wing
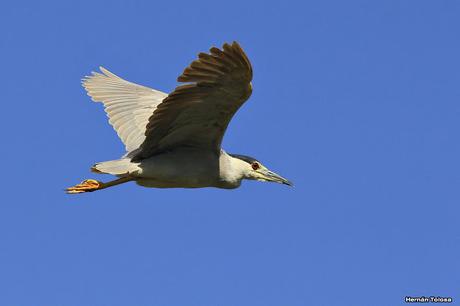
(197, 114)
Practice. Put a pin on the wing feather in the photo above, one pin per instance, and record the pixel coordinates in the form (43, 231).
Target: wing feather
(197, 114)
(127, 105)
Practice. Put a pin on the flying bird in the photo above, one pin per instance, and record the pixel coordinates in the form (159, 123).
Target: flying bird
(175, 140)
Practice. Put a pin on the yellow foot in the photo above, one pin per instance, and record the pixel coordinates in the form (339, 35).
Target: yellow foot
(85, 186)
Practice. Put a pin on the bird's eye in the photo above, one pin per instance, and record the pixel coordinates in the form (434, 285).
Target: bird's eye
(255, 165)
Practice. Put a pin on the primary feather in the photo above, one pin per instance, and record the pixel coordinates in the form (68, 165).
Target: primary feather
(128, 105)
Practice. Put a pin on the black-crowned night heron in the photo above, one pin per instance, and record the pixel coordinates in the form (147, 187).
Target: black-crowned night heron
(175, 140)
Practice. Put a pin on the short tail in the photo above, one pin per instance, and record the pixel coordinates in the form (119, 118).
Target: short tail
(118, 167)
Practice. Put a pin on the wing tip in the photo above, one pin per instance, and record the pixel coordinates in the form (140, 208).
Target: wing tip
(88, 81)
(210, 67)
(107, 73)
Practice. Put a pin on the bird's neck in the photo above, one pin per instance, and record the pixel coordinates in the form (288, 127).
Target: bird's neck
(232, 170)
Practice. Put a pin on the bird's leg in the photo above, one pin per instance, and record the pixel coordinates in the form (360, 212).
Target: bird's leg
(93, 185)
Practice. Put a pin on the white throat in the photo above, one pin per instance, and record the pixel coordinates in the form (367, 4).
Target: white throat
(232, 170)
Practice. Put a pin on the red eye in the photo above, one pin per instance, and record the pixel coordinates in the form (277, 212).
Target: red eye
(255, 165)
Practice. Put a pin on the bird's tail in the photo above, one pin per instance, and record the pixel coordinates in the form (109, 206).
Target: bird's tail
(123, 166)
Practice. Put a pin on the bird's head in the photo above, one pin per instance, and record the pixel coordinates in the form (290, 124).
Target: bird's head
(253, 169)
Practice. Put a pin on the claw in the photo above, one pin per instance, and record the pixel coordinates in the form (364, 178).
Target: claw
(85, 186)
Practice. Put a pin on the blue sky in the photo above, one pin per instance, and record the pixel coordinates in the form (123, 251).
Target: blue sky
(357, 102)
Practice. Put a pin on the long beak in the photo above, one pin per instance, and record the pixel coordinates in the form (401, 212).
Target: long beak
(273, 177)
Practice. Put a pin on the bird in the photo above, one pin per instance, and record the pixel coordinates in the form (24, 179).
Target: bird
(174, 140)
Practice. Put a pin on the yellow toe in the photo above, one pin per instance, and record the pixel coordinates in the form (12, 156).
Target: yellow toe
(85, 186)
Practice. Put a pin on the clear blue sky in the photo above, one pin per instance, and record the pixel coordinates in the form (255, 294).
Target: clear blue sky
(357, 102)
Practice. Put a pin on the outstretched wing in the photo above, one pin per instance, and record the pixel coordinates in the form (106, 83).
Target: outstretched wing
(127, 105)
(197, 114)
